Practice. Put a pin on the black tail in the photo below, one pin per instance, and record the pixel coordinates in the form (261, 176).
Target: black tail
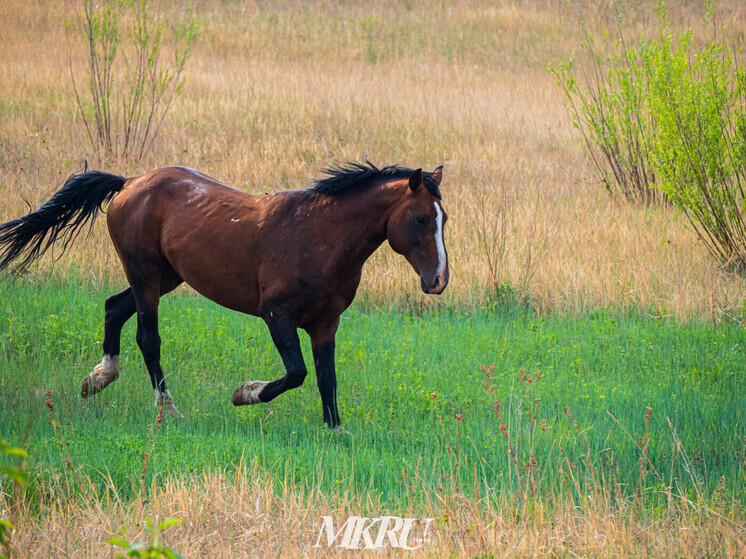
(63, 216)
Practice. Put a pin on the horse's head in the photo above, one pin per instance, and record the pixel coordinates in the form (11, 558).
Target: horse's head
(415, 230)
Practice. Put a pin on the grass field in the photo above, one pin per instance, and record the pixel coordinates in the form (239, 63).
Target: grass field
(389, 364)
(629, 439)
(410, 389)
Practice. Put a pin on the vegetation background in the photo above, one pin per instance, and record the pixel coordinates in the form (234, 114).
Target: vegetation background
(274, 93)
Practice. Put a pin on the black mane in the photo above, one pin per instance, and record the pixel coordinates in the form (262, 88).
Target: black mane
(351, 174)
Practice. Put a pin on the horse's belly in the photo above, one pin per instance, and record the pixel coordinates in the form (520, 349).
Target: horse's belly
(221, 281)
(228, 296)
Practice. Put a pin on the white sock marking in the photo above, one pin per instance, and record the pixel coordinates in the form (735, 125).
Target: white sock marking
(110, 363)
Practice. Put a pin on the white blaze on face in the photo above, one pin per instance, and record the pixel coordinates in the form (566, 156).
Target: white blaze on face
(442, 258)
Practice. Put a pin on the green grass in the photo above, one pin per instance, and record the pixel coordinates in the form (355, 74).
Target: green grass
(389, 363)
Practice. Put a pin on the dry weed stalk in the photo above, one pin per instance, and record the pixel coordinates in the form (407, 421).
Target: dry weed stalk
(148, 454)
(59, 436)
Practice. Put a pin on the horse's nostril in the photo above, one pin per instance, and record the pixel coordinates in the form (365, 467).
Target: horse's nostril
(438, 287)
(435, 287)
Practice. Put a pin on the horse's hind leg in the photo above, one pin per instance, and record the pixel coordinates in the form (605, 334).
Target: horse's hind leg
(149, 341)
(148, 338)
(119, 308)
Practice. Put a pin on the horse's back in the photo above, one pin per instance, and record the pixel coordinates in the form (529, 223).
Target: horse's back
(213, 236)
(165, 184)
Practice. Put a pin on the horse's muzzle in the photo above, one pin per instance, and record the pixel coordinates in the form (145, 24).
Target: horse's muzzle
(436, 287)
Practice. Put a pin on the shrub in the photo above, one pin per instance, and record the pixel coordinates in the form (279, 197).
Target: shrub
(608, 109)
(18, 475)
(695, 96)
(124, 108)
(670, 114)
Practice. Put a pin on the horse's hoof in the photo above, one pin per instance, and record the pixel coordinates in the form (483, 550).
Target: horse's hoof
(171, 410)
(249, 393)
(102, 376)
(341, 430)
(166, 401)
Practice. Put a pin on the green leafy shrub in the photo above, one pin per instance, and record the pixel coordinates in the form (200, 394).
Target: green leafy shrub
(695, 96)
(18, 476)
(608, 109)
(670, 114)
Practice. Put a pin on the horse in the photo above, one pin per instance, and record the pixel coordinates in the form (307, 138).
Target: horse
(292, 258)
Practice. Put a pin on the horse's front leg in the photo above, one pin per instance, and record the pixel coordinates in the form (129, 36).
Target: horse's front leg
(322, 342)
(285, 336)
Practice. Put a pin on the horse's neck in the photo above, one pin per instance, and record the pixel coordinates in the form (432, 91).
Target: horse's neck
(366, 216)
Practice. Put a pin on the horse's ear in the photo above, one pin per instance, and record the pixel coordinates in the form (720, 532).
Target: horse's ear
(415, 180)
(438, 175)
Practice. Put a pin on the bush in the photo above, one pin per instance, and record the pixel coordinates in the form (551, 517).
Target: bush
(609, 112)
(695, 96)
(608, 109)
(125, 107)
(670, 114)
(18, 475)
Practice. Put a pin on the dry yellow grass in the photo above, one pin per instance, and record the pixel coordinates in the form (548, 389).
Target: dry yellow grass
(253, 514)
(273, 95)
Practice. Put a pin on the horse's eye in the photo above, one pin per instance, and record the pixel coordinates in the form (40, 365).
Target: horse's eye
(421, 219)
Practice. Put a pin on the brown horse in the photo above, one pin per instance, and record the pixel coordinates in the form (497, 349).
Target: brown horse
(292, 258)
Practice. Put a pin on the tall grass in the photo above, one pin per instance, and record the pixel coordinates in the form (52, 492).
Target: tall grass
(254, 512)
(273, 95)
